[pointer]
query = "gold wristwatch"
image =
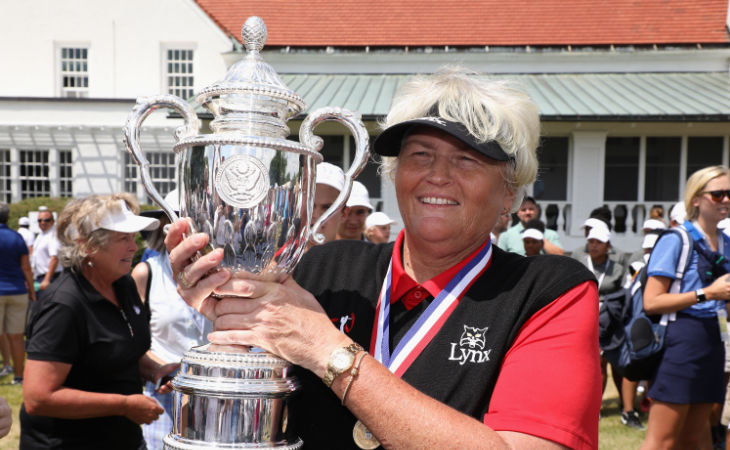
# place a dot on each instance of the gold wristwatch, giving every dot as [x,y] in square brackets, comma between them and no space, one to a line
[341,359]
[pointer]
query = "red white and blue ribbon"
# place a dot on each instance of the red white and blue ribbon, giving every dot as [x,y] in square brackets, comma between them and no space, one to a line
[430,322]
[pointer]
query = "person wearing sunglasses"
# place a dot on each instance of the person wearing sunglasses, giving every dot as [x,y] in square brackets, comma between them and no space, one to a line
[44,260]
[689,378]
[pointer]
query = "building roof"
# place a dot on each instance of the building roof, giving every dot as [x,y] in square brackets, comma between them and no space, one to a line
[387,23]
[581,97]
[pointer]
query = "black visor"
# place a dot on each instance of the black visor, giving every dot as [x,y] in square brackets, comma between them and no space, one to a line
[389,142]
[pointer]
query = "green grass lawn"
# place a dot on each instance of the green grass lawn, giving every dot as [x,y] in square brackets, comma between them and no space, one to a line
[611,435]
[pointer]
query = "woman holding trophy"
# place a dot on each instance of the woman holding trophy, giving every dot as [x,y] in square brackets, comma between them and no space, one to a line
[445,341]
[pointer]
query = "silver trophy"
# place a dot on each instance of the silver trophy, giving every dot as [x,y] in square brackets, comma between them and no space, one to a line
[252,191]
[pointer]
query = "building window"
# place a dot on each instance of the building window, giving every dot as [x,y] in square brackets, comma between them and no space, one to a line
[130,174]
[179,72]
[74,72]
[162,172]
[5,187]
[621,169]
[34,180]
[552,177]
[662,168]
[703,152]
[65,173]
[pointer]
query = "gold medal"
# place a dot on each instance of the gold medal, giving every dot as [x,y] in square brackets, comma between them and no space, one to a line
[363,437]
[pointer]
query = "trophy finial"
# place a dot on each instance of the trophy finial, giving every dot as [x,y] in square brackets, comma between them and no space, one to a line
[254,34]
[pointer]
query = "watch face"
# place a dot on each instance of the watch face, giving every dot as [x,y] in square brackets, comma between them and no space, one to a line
[342,360]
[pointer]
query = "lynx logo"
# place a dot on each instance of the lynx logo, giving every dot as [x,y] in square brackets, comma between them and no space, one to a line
[470,347]
[345,322]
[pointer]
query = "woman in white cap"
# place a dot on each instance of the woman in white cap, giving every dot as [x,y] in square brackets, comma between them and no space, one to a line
[610,273]
[468,346]
[358,209]
[88,334]
[330,181]
[377,227]
[689,378]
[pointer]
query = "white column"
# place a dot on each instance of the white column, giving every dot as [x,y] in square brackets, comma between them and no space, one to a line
[586,177]
[15,174]
[53,171]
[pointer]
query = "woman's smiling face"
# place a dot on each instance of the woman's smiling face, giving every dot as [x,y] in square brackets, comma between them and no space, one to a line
[448,192]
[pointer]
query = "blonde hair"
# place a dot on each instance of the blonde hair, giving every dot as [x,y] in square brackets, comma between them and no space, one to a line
[492,110]
[79,218]
[696,184]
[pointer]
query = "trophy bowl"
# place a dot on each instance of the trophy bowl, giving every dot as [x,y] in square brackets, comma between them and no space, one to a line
[251,191]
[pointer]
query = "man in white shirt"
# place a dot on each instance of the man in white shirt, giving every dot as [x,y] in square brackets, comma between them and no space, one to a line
[45,251]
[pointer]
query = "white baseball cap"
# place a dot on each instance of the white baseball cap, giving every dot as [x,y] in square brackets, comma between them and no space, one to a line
[125,221]
[24,221]
[533,233]
[377,219]
[595,223]
[679,212]
[649,240]
[601,234]
[359,196]
[654,224]
[331,175]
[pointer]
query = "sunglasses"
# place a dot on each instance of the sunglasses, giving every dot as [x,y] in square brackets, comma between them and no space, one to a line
[45,220]
[718,196]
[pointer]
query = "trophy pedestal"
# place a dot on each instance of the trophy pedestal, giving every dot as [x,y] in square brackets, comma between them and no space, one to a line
[230,397]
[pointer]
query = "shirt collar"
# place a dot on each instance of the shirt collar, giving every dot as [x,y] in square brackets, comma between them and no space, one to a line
[401,283]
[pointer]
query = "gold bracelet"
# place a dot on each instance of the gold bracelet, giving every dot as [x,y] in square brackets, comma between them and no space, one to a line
[353,374]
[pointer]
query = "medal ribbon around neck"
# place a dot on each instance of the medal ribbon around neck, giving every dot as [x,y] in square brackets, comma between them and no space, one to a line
[429,323]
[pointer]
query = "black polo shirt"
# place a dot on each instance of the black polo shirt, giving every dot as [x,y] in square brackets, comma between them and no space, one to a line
[72,323]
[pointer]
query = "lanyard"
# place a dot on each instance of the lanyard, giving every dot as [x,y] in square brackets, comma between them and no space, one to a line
[603,274]
[429,323]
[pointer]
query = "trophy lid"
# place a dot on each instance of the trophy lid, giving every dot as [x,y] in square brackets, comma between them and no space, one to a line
[251,90]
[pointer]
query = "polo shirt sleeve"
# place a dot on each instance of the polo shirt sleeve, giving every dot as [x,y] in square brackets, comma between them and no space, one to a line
[53,246]
[54,335]
[550,382]
[553,237]
[664,257]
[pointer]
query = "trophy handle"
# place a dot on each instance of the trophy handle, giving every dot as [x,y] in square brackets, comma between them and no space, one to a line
[144,107]
[354,123]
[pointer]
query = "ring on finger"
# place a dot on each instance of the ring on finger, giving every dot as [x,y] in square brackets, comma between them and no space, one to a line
[184,281]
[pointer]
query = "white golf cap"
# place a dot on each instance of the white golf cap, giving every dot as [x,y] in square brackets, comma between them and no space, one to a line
[24,221]
[331,175]
[377,219]
[359,196]
[595,223]
[533,233]
[649,240]
[654,224]
[679,212]
[601,234]
[125,221]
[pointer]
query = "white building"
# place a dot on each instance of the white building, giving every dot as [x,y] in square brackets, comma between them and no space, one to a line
[634,96]
[71,73]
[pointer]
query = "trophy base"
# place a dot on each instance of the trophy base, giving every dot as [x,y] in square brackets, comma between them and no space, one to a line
[232,397]
[172,442]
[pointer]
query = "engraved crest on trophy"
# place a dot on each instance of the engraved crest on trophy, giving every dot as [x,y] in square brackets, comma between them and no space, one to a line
[252,191]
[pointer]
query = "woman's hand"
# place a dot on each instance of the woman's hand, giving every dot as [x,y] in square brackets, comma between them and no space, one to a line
[719,289]
[195,280]
[281,318]
[141,409]
[163,379]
